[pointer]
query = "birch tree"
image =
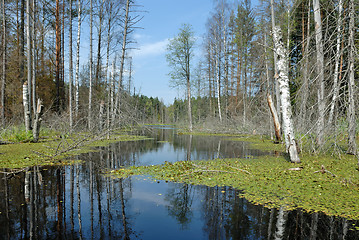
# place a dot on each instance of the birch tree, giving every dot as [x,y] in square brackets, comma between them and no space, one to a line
[77,74]
[179,58]
[283,81]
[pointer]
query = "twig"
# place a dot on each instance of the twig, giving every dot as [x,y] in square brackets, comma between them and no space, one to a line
[323,170]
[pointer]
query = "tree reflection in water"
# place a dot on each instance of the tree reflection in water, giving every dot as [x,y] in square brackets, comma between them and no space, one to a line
[80,202]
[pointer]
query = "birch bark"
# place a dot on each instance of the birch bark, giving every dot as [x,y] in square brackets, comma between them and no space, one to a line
[27,111]
[77,74]
[283,81]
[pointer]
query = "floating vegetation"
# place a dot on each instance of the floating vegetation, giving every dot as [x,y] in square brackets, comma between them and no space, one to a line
[272,181]
[54,151]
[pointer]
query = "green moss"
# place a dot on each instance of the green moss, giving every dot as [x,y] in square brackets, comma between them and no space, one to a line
[269,181]
[53,151]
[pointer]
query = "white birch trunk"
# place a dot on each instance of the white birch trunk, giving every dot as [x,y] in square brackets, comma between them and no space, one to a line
[336,68]
[27,111]
[283,80]
[275,59]
[320,71]
[77,74]
[218,87]
[352,146]
[111,92]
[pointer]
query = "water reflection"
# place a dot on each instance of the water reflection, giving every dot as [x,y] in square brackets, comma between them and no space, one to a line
[79,202]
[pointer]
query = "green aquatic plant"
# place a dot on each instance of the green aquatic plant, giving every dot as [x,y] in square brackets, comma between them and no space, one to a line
[272,181]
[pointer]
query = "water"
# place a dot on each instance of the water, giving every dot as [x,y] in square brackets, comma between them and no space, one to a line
[80,202]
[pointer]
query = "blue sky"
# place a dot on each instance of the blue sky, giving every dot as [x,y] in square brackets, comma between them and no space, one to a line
[161,22]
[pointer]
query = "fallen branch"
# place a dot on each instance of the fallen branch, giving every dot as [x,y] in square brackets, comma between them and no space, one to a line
[296,169]
[196,171]
[323,170]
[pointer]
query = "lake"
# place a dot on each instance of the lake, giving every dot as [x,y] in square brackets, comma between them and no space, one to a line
[81,202]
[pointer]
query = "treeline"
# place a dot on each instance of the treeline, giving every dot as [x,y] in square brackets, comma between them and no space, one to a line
[239,65]
[43,45]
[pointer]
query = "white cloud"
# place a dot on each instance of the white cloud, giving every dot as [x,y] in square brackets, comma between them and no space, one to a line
[151,49]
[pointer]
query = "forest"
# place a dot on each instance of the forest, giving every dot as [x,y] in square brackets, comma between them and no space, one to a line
[239,82]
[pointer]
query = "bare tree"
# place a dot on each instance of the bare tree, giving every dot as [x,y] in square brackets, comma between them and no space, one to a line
[29,60]
[90,70]
[320,71]
[336,68]
[70,65]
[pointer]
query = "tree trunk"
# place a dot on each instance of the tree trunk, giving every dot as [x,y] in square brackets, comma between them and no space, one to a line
[336,68]
[275,118]
[4,55]
[98,65]
[275,59]
[70,65]
[218,72]
[58,57]
[37,121]
[352,147]
[283,80]
[33,56]
[77,74]
[27,111]
[320,71]
[303,107]
[90,71]
[28,42]
[123,53]
[189,104]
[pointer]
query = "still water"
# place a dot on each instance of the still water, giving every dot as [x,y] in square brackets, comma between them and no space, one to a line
[80,202]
